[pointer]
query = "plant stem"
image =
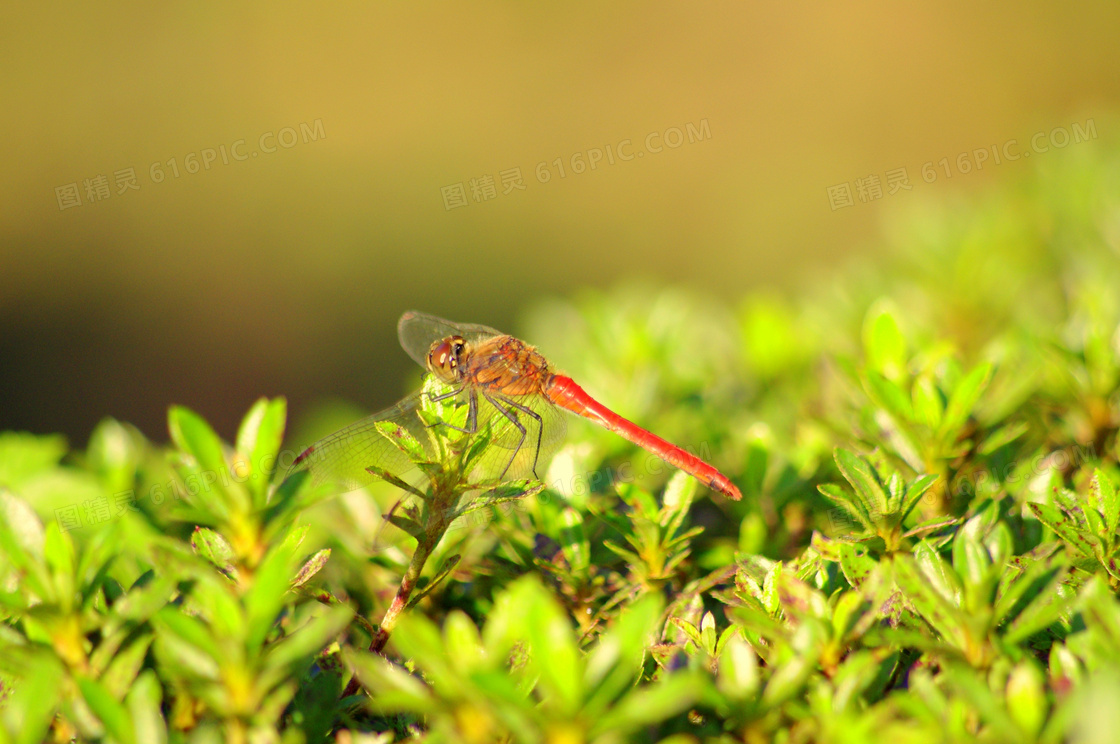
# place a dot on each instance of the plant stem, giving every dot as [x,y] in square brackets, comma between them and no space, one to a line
[400,601]
[433,533]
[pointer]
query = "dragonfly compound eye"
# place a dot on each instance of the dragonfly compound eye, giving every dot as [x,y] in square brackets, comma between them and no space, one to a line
[443,358]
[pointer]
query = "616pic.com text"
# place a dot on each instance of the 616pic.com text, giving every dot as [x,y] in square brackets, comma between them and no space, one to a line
[98,188]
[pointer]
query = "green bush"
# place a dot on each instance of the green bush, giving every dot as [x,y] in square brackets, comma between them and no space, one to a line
[926,550]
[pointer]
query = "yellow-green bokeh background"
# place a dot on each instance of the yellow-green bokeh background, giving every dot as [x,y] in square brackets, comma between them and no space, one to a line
[285,274]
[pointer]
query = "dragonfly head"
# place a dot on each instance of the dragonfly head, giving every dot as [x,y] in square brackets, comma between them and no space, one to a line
[443,358]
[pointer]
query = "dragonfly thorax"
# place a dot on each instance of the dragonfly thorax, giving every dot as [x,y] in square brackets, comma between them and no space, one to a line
[443,358]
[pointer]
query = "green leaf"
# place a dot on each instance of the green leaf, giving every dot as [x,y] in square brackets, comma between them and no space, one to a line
[574,543]
[284,502]
[970,559]
[615,662]
[393,480]
[393,689]
[895,493]
[848,610]
[708,633]
[418,639]
[463,642]
[856,564]
[945,617]
[206,479]
[731,631]
[504,493]
[124,667]
[853,506]
[1095,522]
[512,490]
[939,574]
[22,538]
[1064,666]
[915,492]
[974,690]
[883,343]
[267,594]
[145,597]
[218,601]
[1026,696]
[114,454]
[1003,435]
[790,678]
[307,641]
[313,565]
[214,548]
[410,526]
[676,501]
[861,676]
[404,441]
[526,614]
[193,435]
[1031,583]
[479,444]
[930,526]
[758,457]
[689,630]
[771,599]
[738,676]
[555,654]
[143,702]
[963,400]
[444,571]
[1000,543]
[58,550]
[889,396]
[111,713]
[31,704]
[865,480]
[1037,616]
[1103,496]
[650,704]
[1101,613]
[187,643]
[259,439]
[927,402]
[293,539]
[24,456]
[1064,527]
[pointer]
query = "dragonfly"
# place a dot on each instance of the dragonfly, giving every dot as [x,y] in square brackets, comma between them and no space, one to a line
[490,379]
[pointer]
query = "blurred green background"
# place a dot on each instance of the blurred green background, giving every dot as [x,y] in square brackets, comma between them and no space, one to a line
[284,272]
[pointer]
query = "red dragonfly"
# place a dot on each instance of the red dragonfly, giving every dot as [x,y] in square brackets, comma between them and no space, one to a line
[503,383]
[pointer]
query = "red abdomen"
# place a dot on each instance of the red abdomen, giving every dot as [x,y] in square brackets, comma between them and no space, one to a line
[565,393]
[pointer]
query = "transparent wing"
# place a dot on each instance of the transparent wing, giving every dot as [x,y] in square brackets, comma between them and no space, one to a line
[418,331]
[525,432]
[341,458]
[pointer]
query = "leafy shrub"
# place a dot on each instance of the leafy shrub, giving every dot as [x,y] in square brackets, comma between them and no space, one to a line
[926,549]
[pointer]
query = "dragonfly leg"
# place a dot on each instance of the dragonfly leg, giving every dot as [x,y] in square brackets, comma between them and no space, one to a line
[472,411]
[497,403]
[531,414]
[445,396]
